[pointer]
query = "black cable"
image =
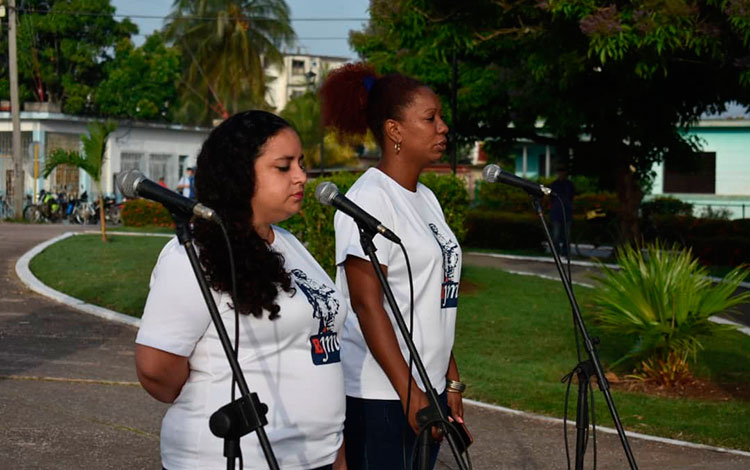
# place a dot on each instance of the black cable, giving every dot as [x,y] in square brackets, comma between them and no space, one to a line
[569,380]
[411,358]
[234,297]
[570,276]
[593,421]
[446,426]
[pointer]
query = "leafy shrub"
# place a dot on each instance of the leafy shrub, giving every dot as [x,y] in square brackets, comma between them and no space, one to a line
[662,298]
[665,206]
[713,241]
[314,223]
[454,199]
[503,230]
[142,213]
[600,202]
[502,198]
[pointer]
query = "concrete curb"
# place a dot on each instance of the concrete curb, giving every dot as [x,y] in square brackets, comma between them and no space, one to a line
[740,327]
[587,264]
[637,435]
[32,282]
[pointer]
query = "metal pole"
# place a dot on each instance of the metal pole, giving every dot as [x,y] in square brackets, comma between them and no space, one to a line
[17,180]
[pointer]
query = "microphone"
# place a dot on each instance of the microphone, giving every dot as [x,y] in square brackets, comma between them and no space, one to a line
[328,194]
[133,184]
[493,174]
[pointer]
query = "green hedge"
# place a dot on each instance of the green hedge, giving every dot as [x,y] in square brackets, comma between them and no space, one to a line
[504,198]
[314,223]
[503,230]
[142,213]
[714,241]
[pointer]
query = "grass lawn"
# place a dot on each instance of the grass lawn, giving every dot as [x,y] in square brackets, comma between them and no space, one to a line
[514,340]
[114,275]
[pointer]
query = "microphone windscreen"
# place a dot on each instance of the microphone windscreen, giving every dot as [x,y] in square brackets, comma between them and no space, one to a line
[491,172]
[127,182]
[325,192]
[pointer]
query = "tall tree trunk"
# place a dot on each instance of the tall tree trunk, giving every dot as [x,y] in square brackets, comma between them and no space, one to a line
[102,218]
[630,195]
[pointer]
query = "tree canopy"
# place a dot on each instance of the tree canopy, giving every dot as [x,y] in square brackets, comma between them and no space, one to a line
[617,82]
[141,82]
[226,45]
[63,46]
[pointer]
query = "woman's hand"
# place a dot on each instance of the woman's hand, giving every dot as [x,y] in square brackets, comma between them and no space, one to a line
[455,402]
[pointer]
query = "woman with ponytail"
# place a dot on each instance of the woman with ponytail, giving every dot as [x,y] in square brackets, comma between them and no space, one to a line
[383,394]
[288,314]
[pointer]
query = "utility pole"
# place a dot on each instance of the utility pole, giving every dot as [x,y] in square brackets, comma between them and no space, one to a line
[17,181]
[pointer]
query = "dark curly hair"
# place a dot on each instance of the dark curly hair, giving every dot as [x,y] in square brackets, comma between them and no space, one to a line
[354,98]
[225,182]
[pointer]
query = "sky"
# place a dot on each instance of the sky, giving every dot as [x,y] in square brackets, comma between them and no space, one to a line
[334,33]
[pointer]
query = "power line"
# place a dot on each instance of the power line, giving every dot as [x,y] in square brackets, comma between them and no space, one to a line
[160,17]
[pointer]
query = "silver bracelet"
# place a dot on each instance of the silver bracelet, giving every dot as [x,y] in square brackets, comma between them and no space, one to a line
[455,386]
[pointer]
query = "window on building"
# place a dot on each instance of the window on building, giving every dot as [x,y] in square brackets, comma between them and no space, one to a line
[690,174]
[298,67]
[131,161]
[158,167]
[296,94]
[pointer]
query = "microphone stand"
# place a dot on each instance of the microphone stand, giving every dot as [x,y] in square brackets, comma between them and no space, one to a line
[586,369]
[247,413]
[433,412]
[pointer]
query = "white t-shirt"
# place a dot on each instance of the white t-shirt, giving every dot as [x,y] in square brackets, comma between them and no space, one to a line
[292,363]
[435,257]
[185,182]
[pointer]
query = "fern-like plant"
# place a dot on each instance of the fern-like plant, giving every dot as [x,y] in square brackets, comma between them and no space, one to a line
[663,299]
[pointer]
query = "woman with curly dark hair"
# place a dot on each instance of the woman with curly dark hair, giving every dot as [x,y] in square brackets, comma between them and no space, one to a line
[383,398]
[250,171]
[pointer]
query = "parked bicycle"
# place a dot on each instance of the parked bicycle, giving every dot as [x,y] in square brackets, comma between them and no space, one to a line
[6,209]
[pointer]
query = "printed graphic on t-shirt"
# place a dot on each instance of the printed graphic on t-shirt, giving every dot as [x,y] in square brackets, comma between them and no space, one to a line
[449,293]
[324,346]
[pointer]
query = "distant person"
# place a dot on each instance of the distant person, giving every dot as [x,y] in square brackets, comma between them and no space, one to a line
[162,183]
[562,206]
[186,185]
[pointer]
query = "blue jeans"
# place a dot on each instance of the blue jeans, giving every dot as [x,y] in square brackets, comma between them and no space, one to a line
[378,437]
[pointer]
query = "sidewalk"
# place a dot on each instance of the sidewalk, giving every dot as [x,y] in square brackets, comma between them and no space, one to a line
[89,412]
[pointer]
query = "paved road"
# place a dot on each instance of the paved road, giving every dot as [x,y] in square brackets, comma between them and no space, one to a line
[89,413]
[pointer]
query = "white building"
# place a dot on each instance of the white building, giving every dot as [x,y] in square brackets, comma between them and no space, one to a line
[158,150]
[299,73]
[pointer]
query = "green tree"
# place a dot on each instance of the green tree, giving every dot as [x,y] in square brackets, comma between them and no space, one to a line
[141,82]
[225,45]
[618,82]
[303,112]
[63,46]
[91,161]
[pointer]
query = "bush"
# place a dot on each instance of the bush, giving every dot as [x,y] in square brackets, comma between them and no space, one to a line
[665,206]
[662,298]
[314,223]
[142,213]
[454,199]
[503,230]
[713,241]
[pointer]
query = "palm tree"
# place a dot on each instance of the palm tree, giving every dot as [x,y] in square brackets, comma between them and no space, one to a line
[91,161]
[225,44]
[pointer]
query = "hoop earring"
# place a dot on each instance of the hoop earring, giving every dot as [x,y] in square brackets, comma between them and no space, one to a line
[397,146]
